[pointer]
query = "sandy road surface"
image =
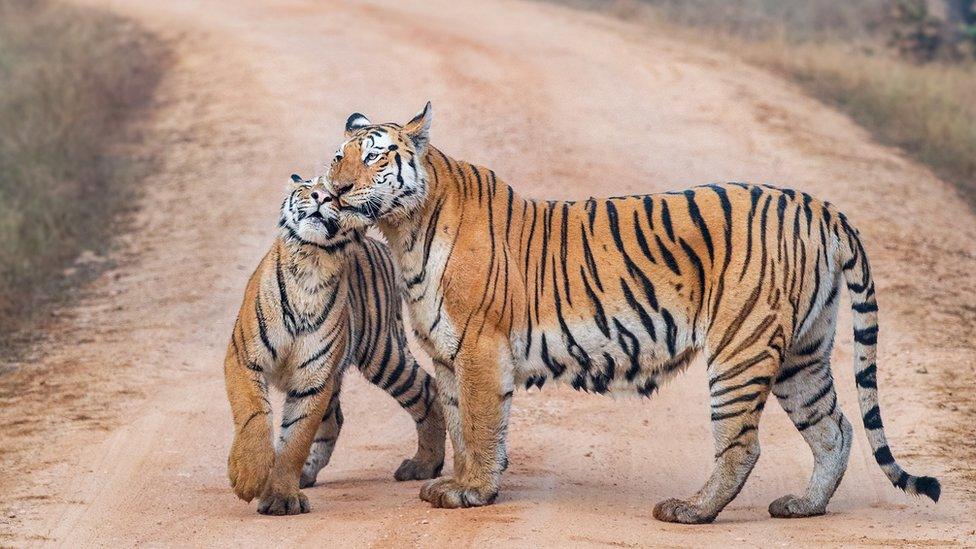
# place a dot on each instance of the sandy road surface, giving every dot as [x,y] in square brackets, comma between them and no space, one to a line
[119,431]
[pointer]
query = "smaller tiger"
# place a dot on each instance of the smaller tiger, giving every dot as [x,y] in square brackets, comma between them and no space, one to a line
[321,299]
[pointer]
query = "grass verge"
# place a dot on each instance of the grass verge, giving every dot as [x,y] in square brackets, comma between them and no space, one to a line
[71,80]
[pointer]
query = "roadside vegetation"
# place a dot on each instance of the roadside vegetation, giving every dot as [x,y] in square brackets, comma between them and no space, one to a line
[903,69]
[71,78]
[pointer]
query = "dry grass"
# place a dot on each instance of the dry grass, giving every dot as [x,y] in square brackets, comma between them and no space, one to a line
[835,50]
[69,77]
[927,110]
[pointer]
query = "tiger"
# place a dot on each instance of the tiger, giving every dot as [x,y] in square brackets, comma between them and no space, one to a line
[322,298]
[618,295]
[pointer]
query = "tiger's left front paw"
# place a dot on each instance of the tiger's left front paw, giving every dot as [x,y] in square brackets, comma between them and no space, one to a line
[414,469]
[448,493]
[676,510]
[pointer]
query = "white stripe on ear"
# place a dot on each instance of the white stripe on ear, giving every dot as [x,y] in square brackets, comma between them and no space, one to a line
[356,121]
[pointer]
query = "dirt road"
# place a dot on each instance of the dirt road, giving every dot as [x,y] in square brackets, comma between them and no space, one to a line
[117,432]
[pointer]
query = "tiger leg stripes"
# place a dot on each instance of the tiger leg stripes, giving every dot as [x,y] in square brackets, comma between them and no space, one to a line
[483,404]
[419,399]
[299,423]
[805,389]
[252,454]
[325,439]
[738,388]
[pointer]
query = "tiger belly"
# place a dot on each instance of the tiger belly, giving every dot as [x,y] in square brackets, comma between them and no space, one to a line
[625,359]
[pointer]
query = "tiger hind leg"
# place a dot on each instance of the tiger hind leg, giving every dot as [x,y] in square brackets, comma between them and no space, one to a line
[739,387]
[417,395]
[805,389]
[325,440]
[415,391]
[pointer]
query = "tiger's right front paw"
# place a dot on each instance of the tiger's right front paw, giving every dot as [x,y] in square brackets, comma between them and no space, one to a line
[447,493]
[283,504]
[249,465]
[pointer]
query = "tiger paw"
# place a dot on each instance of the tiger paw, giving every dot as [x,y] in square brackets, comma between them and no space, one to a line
[283,504]
[308,477]
[249,465]
[449,494]
[676,510]
[415,469]
[795,507]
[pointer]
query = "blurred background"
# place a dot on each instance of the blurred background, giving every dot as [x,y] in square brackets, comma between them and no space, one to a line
[72,81]
[904,69]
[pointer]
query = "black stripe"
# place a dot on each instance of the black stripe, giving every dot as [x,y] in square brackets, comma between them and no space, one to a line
[759,380]
[666,219]
[700,223]
[631,347]
[263,327]
[307,392]
[868,377]
[883,456]
[318,355]
[639,309]
[867,336]
[598,314]
[864,307]
[287,424]
[872,419]
[668,256]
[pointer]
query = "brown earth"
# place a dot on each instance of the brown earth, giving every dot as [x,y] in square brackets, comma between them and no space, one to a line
[116,431]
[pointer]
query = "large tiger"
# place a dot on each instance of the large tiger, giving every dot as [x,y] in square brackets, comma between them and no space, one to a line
[321,298]
[618,295]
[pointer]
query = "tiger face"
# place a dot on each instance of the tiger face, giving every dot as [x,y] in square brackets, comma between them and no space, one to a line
[378,172]
[309,213]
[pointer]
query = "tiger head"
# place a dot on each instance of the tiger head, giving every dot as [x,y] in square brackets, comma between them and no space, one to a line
[378,171]
[309,213]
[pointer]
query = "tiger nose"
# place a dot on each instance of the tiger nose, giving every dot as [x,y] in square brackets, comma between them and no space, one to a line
[320,197]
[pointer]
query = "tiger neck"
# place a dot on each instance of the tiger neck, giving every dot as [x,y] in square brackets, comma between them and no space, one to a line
[314,266]
[404,233]
[450,194]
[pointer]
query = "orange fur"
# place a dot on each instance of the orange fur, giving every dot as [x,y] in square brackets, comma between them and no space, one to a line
[320,299]
[618,295]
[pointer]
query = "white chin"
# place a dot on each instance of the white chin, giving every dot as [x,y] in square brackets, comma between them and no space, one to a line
[355,221]
[314,233]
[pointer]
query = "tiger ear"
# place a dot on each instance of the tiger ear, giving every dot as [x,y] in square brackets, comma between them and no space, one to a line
[355,122]
[294,182]
[418,129]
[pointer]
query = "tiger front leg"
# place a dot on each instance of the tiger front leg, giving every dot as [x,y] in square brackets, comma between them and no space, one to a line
[301,418]
[252,454]
[477,396]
